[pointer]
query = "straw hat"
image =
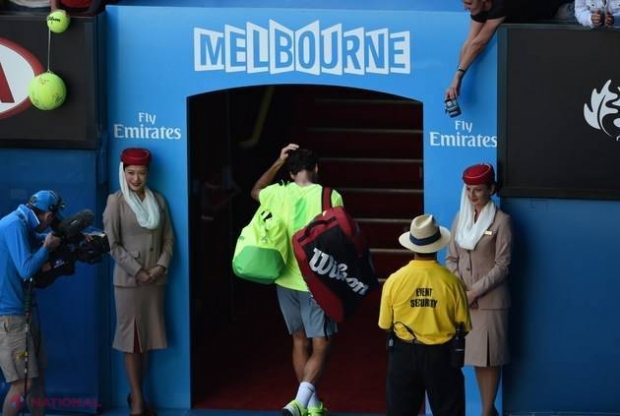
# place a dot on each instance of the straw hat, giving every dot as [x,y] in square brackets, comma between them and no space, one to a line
[425,236]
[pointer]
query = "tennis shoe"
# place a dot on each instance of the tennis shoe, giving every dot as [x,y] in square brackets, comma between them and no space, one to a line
[317,411]
[294,408]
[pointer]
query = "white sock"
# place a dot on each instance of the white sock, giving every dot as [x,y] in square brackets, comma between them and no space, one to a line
[314,400]
[304,393]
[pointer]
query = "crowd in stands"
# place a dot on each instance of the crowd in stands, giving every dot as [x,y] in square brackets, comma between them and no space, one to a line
[73,7]
[591,13]
[487,15]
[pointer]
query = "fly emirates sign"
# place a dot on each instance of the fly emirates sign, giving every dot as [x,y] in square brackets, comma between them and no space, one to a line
[312,49]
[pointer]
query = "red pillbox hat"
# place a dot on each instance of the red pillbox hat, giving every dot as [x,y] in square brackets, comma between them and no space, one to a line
[480,174]
[136,156]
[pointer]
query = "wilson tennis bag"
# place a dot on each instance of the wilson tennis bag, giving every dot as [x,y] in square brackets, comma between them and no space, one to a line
[335,260]
[262,248]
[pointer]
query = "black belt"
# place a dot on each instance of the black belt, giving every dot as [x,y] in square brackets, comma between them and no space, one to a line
[418,342]
[410,341]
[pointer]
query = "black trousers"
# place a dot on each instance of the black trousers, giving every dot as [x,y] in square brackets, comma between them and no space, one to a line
[416,368]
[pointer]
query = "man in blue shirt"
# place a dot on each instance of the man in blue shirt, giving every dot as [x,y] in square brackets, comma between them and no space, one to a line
[23,253]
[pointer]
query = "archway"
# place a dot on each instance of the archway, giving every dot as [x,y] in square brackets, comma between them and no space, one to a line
[370,145]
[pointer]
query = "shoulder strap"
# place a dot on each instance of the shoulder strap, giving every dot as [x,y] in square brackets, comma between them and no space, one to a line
[327,198]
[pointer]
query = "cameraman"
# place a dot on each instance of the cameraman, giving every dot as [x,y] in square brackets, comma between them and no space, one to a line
[24,252]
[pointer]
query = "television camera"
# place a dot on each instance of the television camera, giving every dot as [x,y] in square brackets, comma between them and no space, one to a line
[76,245]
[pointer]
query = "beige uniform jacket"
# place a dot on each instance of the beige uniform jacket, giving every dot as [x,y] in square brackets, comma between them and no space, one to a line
[134,247]
[484,270]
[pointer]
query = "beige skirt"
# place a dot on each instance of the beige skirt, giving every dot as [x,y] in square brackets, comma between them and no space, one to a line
[487,343]
[140,322]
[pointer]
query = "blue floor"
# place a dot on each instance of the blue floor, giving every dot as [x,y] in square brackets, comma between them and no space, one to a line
[201,412]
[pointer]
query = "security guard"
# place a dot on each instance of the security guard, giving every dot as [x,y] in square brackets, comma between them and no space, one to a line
[422,306]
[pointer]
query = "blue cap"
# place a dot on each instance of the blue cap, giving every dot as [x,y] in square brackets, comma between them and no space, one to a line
[46,201]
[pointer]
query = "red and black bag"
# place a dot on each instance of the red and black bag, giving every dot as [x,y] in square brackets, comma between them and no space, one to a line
[335,260]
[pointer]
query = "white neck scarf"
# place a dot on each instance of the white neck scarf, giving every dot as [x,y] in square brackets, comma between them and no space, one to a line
[468,232]
[147,211]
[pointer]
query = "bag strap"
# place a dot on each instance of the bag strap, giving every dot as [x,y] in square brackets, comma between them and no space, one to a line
[392,334]
[327,198]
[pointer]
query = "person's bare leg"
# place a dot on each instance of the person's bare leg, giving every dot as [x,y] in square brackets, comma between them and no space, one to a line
[133,369]
[301,353]
[37,392]
[315,365]
[17,389]
[488,384]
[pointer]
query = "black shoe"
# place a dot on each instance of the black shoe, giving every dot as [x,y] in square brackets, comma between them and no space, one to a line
[146,412]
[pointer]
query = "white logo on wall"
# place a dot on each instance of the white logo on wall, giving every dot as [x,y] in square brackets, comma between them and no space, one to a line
[17,68]
[146,128]
[603,113]
[312,49]
[463,136]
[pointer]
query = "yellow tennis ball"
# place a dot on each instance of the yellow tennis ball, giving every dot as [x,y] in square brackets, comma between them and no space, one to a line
[58,21]
[47,91]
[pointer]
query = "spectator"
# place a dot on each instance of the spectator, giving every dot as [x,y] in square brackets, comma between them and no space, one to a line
[23,253]
[297,203]
[596,13]
[138,226]
[75,7]
[422,305]
[37,6]
[479,254]
[486,16]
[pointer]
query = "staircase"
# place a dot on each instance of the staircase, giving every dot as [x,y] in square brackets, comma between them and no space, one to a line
[370,149]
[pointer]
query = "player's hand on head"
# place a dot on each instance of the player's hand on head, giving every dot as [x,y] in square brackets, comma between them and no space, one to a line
[287,149]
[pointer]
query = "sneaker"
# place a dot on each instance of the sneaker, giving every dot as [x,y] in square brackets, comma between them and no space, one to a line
[294,408]
[317,411]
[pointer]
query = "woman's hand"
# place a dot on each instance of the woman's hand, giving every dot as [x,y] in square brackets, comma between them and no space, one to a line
[143,278]
[472,300]
[156,272]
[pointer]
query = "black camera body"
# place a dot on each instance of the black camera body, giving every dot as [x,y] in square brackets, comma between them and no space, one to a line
[452,108]
[76,245]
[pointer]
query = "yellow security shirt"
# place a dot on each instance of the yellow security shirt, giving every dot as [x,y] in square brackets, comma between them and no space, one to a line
[427,298]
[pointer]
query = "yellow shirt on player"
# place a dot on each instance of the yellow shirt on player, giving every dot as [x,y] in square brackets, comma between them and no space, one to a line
[296,206]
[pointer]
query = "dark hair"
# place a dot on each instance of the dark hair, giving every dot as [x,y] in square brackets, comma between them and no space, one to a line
[301,159]
[126,165]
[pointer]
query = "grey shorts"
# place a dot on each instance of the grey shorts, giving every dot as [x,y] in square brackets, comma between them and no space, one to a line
[13,347]
[301,312]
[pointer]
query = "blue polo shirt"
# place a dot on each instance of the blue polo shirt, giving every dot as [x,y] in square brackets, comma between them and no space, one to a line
[21,256]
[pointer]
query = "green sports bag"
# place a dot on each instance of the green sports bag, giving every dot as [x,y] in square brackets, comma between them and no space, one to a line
[262,248]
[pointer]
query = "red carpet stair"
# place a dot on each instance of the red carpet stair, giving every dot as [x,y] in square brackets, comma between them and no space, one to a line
[370,146]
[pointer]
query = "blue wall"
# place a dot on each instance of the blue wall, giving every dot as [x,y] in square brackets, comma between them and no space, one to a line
[74,311]
[565,283]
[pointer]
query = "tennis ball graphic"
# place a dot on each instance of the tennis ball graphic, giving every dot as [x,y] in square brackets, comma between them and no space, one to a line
[47,91]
